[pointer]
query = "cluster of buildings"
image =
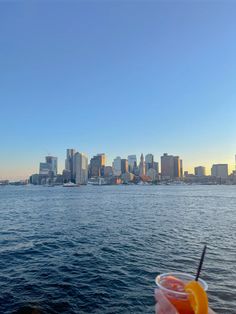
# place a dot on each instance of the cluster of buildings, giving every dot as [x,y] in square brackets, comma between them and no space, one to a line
[219,175]
[78,170]
[81,171]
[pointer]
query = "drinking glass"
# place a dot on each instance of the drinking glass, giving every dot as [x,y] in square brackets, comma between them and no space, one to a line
[171,286]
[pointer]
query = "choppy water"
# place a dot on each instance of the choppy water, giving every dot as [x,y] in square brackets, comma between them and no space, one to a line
[98,249]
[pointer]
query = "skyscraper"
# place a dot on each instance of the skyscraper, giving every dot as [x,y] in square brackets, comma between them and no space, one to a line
[108,171]
[97,165]
[52,161]
[49,167]
[167,166]
[170,166]
[69,163]
[149,162]
[124,166]
[116,165]
[181,168]
[176,167]
[142,166]
[81,168]
[156,166]
[132,163]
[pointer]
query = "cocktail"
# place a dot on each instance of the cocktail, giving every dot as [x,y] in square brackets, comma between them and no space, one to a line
[182,293]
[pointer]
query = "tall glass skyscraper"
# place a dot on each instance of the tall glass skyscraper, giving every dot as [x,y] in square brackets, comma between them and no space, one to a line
[132,163]
[69,163]
[52,161]
[81,168]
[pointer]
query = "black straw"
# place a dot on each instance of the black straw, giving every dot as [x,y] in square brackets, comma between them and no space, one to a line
[201,262]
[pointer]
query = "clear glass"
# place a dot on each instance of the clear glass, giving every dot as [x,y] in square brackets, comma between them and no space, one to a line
[180,300]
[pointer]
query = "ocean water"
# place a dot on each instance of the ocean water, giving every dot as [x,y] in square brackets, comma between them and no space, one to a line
[98,249]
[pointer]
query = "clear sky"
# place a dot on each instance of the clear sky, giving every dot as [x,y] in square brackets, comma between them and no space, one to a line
[120,77]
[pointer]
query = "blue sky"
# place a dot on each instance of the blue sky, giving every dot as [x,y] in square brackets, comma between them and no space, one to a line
[119,77]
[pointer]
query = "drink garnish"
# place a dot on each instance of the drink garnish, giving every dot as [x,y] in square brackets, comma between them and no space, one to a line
[197,297]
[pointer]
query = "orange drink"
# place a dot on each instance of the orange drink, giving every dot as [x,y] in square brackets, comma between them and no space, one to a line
[173,286]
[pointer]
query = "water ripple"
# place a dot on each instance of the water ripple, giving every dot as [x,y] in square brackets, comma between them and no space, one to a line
[98,249]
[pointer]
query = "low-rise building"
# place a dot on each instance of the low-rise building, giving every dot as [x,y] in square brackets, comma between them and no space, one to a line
[127,177]
[200,171]
[220,171]
[35,179]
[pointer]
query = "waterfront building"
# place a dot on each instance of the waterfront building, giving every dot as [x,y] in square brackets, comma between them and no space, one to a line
[132,163]
[44,168]
[220,171]
[116,181]
[97,165]
[136,170]
[35,179]
[200,171]
[176,167]
[81,168]
[170,166]
[108,172]
[58,180]
[66,176]
[149,162]
[232,177]
[116,165]
[124,166]
[144,179]
[152,174]
[52,161]
[69,163]
[142,166]
[127,177]
[5,182]
[181,168]
[167,166]
[156,166]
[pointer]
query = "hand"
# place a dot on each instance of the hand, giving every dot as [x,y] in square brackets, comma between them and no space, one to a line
[163,305]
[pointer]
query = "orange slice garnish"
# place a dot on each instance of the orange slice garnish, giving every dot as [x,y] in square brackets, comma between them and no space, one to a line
[197,297]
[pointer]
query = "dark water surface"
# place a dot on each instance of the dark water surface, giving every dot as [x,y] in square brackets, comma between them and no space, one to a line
[99,249]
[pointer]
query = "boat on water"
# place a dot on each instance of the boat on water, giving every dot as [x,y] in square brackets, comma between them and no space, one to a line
[70,185]
[97,181]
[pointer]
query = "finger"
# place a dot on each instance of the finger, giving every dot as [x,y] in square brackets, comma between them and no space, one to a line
[158,309]
[164,304]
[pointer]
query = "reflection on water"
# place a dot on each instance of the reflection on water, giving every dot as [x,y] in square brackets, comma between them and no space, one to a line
[98,249]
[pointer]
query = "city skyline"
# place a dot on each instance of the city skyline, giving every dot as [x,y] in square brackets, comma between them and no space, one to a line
[62,164]
[79,171]
[118,78]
